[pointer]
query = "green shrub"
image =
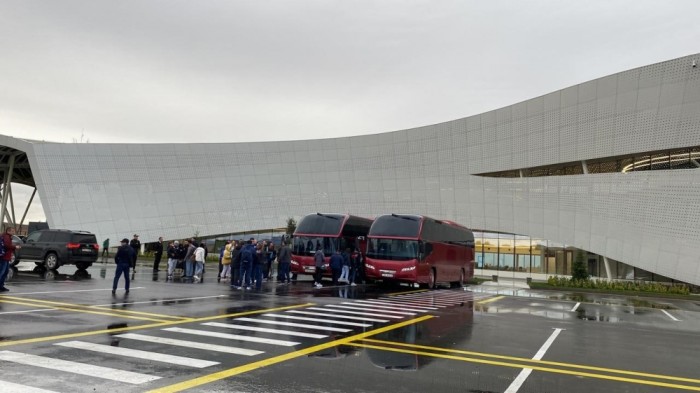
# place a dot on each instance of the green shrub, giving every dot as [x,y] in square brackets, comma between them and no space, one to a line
[633,286]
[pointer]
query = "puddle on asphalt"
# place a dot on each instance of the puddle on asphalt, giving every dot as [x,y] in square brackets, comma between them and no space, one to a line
[581,314]
[629,302]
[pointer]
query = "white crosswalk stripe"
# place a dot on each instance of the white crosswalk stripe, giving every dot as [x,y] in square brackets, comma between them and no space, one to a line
[77,368]
[238,337]
[139,354]
[190,344]
[384,306]
[6,386]
[264,330]
[424,308]
[370,309]
[370,314]
[331,321]
[321,314]
[292,324]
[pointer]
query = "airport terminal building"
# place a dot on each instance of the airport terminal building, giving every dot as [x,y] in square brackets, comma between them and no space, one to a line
[610,166]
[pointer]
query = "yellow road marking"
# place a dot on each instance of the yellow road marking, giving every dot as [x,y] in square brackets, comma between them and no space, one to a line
[82,310]
[407,292]
[80,307]
[532,367]
[278,359]
[545,362]
[138,327]
[493,299]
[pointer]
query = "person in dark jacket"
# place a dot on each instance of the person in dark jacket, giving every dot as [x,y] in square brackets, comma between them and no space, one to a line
[246,259]
[124,258]
[157,254]
[284,261]
[336,264]
[5,259]
[320,264]
[135,244]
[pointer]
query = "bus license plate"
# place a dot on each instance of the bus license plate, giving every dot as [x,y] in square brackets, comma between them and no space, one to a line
[387,274]
[309,269]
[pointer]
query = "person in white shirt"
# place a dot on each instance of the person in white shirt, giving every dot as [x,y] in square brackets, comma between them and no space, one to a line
[199,254]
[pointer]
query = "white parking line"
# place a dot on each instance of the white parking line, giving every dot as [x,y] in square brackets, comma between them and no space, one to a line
[233,337]
[671,316]
[77,290]
[27,311]
[77,368]
[576,307]
[190,344]
[264,330]
[139,354]
[520,379]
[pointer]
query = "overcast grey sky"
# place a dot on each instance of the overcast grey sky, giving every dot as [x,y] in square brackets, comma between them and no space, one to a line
[229,71]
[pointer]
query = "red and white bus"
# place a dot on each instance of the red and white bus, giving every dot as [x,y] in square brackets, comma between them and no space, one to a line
[329,232]
[419,249]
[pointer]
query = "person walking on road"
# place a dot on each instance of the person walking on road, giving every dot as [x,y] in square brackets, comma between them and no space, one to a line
[124,258]
[319,263]
[9,249]
[157,254]
[136,246]
[199,258]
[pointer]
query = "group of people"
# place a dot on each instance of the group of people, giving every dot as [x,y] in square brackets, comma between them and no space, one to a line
[244,264]
[346,267]
[187,255]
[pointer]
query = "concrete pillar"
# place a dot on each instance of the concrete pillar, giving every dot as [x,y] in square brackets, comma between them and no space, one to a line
[608,272]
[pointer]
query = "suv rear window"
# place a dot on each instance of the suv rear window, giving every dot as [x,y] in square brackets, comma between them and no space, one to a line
[84,238]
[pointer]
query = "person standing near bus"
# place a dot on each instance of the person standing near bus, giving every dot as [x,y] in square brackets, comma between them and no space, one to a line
[284,261]
[336,264]
[319,262]
[346,267]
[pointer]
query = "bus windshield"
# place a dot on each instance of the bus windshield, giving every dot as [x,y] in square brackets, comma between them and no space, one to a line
[392,249]
[307,245]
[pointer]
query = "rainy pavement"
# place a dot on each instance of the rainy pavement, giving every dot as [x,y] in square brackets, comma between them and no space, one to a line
[68,328]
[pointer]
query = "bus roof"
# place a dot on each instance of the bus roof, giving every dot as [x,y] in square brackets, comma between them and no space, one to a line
[332,224]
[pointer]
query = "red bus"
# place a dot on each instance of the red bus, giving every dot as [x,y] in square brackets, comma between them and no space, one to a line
[329,232]
[419,249]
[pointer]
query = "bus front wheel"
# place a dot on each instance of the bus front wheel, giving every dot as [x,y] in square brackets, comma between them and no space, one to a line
[461,282]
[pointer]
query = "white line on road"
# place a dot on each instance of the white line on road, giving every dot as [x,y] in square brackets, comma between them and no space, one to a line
[576,306]
[190,344]
[292,324]
[370,309]
[25,311]
[382,307]
[77,368]
[139,354]
[400,303]
[671,316]
[370,314]
[321,314]
[233,337]
[331,321]
[264,330]
[520,379]
[17,388]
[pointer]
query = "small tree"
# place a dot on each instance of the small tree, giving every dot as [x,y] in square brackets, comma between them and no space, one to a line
[291,226]
[579,270]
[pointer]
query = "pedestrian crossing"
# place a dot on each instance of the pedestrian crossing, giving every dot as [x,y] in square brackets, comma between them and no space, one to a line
[210,344]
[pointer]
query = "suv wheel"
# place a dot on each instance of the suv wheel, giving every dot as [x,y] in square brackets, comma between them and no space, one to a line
[51,261]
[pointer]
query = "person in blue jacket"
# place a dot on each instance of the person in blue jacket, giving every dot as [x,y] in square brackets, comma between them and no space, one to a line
[124,258]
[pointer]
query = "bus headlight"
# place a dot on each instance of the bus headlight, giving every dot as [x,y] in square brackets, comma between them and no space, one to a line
[295,263]
[408,269]
[370,267]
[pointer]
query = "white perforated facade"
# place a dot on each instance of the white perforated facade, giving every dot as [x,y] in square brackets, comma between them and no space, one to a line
[648,219]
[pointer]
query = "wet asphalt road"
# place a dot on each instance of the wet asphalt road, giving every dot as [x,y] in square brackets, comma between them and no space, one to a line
[65,332]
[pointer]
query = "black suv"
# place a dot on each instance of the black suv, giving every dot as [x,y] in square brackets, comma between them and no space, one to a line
[55,247]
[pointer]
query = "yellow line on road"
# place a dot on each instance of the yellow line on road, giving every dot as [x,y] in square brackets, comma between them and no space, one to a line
[278,359]
[532,367]
[140,327]
[82,311]
[490,300]
[81,307]
[533,361]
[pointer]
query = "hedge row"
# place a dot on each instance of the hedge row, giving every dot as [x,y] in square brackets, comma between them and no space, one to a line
[639,286]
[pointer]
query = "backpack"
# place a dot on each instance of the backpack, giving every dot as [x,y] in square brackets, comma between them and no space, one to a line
[246,255]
